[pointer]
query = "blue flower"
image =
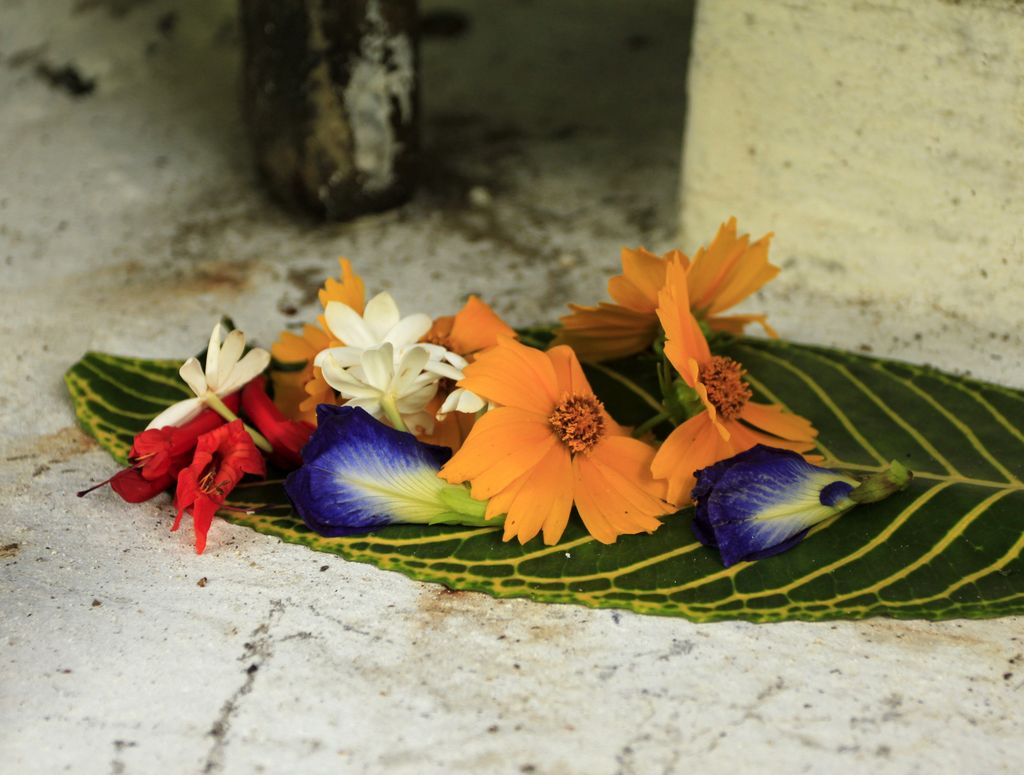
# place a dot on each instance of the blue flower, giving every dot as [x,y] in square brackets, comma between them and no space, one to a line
[763,501]
[359,474]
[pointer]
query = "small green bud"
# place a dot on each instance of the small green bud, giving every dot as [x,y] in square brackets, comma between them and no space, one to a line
[880,486]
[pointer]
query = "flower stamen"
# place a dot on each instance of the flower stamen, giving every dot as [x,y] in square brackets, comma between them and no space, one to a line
[577,422]
[723,378]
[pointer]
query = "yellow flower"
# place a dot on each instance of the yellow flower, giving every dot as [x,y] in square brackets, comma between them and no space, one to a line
[550,444]
[719,276]
[729,422]
[724,274]
[610,331]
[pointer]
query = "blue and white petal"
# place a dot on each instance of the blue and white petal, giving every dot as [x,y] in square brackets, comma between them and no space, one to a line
[359,474]
[762,502]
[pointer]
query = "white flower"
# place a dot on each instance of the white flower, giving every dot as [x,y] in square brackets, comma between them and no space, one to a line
[380,322]
[448,364]
[385,382]
[226,372]
[461,400]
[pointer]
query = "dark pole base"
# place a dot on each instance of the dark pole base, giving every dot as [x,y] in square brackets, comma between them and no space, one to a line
[331,101]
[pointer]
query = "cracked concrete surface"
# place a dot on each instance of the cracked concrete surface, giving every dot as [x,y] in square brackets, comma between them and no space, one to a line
[129,220]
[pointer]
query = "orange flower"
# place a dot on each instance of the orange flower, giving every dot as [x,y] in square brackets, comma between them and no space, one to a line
[723,428]
[724,274]
[298,391]
[290,387]
[719,277]
[610,331]
[474,328]
[550,444]
[349,290]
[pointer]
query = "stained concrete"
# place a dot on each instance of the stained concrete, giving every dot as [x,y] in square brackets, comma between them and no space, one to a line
[129,220]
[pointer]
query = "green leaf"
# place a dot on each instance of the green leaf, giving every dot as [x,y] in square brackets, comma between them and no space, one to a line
[949,546]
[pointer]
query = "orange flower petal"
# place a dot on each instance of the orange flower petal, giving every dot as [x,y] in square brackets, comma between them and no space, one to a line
[773,419]
[710,265]
[450,432]
[643,274]
[544,500]
[349,289]
[743,438]
[693,445]
[441,330]
[289,392]
[683,338]
[505,443]
[291,388]
[630,460]
[317,392]
[749,272]
[607,331]
[500,503]
[590,508]
[736,324]
[568,372]
[512,374]
[477,327]
[729,270]
[609,504]
[291,348]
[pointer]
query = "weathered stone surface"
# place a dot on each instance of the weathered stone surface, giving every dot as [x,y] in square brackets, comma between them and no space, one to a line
[883,142]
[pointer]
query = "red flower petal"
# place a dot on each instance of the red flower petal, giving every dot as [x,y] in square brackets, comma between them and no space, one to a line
[287,437]
[222,457]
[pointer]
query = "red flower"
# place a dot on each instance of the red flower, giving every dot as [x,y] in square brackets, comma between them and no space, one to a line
[223,456]
[287,437]
[157,455]
[133,486]
[161,451]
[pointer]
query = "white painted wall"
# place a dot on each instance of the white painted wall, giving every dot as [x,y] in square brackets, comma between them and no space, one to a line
[883,142]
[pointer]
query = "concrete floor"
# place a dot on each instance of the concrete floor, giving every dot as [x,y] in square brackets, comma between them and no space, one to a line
[129,220]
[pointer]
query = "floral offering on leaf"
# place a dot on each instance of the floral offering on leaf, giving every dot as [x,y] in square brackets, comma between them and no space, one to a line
[383,418]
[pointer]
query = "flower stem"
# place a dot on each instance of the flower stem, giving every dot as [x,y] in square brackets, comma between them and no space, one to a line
[387,403]
[457,498]
[647,425]
[213,401]
[463,509]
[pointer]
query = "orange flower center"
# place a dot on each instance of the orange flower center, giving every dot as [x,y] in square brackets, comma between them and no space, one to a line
[723,378]
[577,421]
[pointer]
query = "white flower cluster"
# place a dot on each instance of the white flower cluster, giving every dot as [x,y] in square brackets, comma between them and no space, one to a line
[384,369]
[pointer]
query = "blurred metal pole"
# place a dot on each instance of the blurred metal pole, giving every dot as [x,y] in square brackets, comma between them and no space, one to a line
[331,101]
